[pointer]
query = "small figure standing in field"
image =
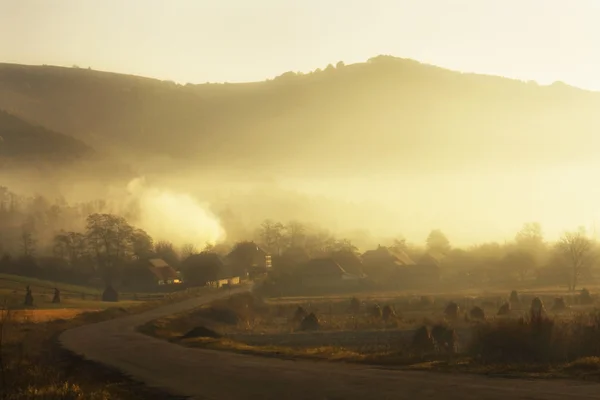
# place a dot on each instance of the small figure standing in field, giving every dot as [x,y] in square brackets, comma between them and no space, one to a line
[28,297]
[56,298]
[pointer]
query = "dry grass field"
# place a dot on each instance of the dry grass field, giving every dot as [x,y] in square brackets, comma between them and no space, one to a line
[562,344]
[34,366]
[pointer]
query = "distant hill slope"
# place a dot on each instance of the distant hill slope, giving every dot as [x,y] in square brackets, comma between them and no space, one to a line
[21,141]
[387,114]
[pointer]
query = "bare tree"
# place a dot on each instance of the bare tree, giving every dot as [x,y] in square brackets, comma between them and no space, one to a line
[70,246]
[579,252]
[187,250]
[296,234]
[530,236]
[28,243]
[271,234]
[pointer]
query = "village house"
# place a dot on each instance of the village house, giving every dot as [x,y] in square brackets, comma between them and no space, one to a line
[386,257]
[208,269]
[325,273]
[247,258]
[350,262]
[163,273]
[394,269]
[224,282]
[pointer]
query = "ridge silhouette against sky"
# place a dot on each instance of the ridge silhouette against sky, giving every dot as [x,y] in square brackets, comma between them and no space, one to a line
[237,40]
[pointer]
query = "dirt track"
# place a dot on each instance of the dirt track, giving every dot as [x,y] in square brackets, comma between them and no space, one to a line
[204,374]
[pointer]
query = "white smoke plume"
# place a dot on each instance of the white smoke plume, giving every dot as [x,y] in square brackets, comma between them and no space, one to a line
[172,216]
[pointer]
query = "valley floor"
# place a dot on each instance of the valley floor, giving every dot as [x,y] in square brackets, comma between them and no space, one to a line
[209,374]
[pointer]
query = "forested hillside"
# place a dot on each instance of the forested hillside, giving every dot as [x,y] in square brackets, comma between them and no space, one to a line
[387,114]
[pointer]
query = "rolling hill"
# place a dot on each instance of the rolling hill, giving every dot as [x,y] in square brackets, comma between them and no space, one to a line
[387,115]
[21,141]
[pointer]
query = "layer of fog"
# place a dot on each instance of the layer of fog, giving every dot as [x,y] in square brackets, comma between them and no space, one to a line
[469,206]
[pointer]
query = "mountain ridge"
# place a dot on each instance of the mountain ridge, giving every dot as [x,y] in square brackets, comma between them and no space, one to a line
[385,114]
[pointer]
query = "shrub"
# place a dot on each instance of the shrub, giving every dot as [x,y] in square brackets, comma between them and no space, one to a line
[513,341]
[538,339]
[445,338]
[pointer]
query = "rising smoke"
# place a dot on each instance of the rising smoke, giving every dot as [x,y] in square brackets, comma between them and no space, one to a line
[176,217]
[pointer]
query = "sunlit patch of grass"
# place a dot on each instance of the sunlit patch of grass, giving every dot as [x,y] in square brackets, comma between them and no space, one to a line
[35,367]
[60,391]
[320,352]
[585,364]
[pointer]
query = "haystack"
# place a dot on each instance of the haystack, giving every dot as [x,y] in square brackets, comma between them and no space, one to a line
[310,323]
[585,297]
[477,313]
[110,294]
[504,309]
[452,310]
[388,312]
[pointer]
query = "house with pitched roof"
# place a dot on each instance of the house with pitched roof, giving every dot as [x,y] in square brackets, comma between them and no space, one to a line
[325,273]
[163,273]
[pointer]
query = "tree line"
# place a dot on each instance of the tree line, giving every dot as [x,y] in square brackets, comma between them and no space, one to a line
[85,240]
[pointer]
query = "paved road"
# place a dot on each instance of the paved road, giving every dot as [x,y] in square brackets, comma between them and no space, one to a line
[205,374]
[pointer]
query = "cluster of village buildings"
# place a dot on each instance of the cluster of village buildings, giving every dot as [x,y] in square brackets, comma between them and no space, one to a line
[342,269]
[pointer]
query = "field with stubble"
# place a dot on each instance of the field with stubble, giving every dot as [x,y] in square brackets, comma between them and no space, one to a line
[449,331]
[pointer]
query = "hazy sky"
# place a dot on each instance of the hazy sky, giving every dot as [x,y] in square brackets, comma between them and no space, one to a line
[241,40]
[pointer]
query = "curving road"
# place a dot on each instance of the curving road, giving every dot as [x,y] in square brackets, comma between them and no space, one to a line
[206,374]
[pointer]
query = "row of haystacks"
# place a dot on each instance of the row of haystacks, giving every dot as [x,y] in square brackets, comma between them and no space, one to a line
[534,338]
[515,301]
[453,311]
